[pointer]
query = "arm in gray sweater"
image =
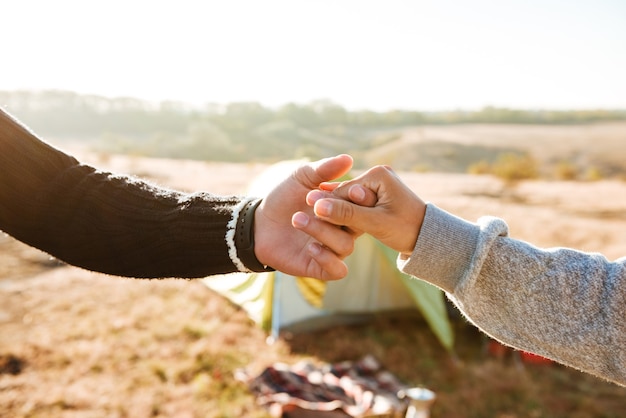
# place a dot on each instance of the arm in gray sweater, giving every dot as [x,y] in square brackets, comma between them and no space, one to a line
[566,305]
[560,303]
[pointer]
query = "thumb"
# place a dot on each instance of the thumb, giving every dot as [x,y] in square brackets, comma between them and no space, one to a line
[325,170]
[344,213]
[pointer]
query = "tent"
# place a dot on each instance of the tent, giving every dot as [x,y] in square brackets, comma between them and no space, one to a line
[280,302]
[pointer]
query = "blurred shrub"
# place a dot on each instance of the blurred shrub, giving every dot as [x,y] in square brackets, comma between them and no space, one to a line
[510,167]
[566,170]
[480,167]
[593,174]
[514,167]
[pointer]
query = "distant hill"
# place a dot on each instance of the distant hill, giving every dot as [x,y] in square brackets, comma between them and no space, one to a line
[447,141]
[454,148]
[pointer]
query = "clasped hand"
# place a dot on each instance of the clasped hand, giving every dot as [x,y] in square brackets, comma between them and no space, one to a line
[308,224]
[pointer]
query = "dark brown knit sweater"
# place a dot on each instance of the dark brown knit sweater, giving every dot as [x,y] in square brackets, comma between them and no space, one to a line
[105,222]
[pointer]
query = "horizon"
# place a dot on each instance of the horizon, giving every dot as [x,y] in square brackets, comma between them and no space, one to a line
[205,105]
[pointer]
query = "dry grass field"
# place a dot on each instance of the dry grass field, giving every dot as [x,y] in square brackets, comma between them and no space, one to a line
[79,344]
[453,148]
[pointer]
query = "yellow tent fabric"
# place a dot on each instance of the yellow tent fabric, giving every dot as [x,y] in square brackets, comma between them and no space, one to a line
[277,301]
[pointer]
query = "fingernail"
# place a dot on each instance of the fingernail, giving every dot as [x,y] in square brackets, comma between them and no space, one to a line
[300,220]
[357,192]
[323,207]
[314,196]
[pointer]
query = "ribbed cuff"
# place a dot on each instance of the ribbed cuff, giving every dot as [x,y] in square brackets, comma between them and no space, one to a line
[240,237]
[230,235]
[444,249]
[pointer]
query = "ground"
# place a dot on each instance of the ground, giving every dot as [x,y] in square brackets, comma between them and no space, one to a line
[80,344]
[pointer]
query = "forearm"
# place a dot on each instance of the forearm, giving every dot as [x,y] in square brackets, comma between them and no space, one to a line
[563,304]
[105,222]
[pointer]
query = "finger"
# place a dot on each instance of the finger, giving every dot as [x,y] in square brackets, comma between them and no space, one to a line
[324,170]
[339,241]
[334,167]
[362,195]
[315,195]
[327,265]
[329,186]
[343,213]
[349,190]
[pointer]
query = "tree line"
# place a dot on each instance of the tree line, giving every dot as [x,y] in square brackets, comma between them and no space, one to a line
[245,131]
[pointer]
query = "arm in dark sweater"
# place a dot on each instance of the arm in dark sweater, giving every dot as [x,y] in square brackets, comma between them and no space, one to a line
[104,222]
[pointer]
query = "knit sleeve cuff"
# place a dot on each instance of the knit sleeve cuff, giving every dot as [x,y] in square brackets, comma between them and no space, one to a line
[231,228]
[240,237]
[444,249]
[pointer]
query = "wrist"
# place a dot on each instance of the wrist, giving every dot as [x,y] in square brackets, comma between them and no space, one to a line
[244,237]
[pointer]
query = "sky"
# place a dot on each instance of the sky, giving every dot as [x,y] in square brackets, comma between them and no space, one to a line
[361,54]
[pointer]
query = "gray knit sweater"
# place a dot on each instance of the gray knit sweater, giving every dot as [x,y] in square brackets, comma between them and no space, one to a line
[565,305]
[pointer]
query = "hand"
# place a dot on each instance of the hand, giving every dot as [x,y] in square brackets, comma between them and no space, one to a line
[395,217]
[289,238]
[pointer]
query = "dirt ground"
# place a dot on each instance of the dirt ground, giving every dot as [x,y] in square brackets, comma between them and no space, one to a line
[80,344]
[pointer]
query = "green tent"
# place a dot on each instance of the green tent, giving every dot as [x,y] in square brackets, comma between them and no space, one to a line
[278,302]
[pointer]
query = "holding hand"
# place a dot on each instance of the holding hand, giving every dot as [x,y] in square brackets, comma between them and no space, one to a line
[377,203]
[313,248]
